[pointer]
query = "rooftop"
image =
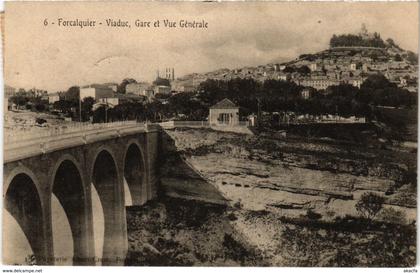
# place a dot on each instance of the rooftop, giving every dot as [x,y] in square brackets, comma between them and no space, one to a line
[224,104]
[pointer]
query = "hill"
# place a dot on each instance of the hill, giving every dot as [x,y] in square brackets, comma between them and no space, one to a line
[350,59]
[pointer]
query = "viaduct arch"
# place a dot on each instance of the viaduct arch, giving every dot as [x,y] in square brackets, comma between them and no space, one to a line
[23,203]
[70,192]
[134,173]
[71,174]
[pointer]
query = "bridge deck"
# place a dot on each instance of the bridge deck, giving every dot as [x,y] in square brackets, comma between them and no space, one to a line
[28,145]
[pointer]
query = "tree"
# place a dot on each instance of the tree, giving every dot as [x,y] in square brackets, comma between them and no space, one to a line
[304,70]
[154,111]
[72,93]
[377,81]
[19,99]
[351,40]
[121,87]
[99,115]
[63,106]
[412,57]
[289,69]
[184,103]
[370,204]
[391,43]
[398,58]
[87,105]
[161,96]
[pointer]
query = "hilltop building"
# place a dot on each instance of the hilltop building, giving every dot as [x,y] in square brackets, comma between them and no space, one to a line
[364,32]
[170,74]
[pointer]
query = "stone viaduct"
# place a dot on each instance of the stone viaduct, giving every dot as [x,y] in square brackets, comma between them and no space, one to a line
[74,166]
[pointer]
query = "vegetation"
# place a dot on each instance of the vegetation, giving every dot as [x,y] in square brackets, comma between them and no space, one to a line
[121,87]
[314,238]
[313,246]
[72,94]
[270,96]
[276,95]
[392,215]
[351,40]
[412,57]
[369,205]
[177,232]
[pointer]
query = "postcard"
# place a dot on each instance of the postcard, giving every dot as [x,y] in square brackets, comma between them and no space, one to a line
[280,134]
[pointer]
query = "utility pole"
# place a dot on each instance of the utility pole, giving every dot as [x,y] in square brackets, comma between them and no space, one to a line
[286,106]
[258,112]
[80,107]
[106,110]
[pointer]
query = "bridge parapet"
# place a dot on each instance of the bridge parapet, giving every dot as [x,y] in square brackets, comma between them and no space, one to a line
[11,137]
[25,145]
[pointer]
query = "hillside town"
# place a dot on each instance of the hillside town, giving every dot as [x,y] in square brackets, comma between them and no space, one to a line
[331,67]
[350,61]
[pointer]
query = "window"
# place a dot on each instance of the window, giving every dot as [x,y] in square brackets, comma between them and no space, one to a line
[224,118]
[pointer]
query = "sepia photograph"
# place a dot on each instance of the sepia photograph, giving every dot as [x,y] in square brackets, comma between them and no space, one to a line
[210,134]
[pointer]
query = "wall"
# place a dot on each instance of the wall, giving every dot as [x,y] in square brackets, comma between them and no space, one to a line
[87,92]
[103,92]
[137,88]
[113,101]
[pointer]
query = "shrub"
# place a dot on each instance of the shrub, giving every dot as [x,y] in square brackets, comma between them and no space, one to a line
[232,217]
[370,204]
[238,204]
[236,151]
[330,214]
[313,215]
[234,249]
[392,215]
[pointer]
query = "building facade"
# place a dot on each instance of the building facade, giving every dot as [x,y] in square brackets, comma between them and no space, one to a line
[96,92]
[139,89]
[224,113]
[162,89]
[53,98]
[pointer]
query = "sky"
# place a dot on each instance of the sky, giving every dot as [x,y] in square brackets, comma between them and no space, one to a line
[239,34]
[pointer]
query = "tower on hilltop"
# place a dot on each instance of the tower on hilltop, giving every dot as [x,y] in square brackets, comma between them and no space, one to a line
[363,30]
[364,33]
[170,74]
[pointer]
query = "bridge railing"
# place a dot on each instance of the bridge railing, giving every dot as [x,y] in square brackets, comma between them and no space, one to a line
[182,123]
[198,124]
[15,136]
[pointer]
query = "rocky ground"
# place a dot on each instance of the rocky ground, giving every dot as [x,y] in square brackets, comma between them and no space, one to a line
[276,201]
[25,120]
[18,124]
[177,232]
